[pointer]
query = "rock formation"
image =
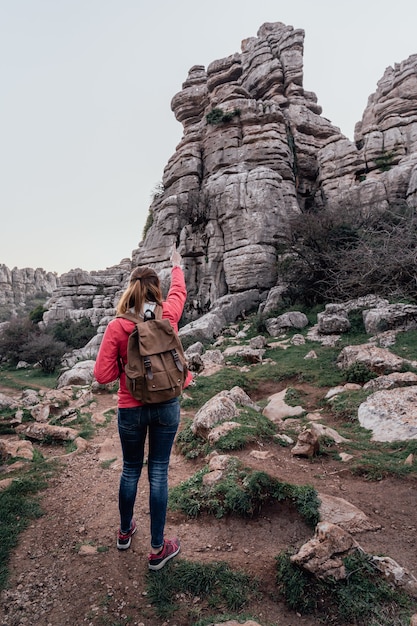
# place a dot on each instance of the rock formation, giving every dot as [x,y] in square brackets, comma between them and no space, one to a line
[20,286]
[256,150]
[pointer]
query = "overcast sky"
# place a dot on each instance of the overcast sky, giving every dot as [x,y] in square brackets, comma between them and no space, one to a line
[86,126]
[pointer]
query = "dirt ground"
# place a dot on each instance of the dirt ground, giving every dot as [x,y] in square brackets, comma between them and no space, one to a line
[59,578]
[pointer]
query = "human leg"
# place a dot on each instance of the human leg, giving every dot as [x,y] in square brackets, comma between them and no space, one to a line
[163,426]
[132,431]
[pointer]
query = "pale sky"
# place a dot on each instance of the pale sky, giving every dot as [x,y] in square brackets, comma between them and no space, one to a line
[86,126]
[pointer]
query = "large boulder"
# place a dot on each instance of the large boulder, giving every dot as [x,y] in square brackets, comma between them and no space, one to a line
[81,374]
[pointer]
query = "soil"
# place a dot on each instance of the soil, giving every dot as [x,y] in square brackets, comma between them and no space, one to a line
[59,578]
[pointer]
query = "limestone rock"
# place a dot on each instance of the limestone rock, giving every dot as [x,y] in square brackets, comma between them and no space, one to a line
[323,554]
[378,360]
[394,316]
[18,286]
[307,444]
[277,409]
[395,379]
[10,448]
[390,414]
[217,409]
[80,374]
[278,325]
[47,431]
[338,511]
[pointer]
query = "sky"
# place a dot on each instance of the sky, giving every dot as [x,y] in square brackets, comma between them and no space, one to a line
[86,126]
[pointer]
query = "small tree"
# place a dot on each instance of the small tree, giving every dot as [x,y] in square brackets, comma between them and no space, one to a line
[42,348]
[75,334]
[13,337]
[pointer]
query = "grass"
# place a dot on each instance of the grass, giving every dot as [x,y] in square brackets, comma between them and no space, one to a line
[253,427]
[241,491]
[363,598]
[26,379]
[18,506]
[216,585]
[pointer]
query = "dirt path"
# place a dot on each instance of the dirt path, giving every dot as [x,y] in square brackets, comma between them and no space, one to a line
[66,569]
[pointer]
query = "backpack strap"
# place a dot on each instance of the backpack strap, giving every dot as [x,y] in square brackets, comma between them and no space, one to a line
[129,316]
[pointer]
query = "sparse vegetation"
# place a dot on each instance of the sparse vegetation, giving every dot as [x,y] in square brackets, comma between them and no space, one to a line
[363,598]
[241,491]
[215,584]
[218,116]
[18,505]
[331,256]
[24,340]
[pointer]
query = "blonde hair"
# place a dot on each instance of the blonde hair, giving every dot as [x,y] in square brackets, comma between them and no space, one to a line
[144,286]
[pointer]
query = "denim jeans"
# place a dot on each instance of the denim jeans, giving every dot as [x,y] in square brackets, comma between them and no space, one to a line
[160,422]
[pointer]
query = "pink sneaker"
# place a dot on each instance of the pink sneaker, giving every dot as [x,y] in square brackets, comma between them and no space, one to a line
[170,548]
[124,541]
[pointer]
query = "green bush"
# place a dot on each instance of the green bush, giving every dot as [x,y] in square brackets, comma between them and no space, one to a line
[218,116]
[43,349]
[75,334]
[359,373]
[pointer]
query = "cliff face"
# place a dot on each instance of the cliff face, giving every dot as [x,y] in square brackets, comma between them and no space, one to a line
[231,186]
[20,286]
[256,150]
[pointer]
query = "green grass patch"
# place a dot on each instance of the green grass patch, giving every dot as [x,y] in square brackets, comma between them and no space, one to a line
[208,386]
[406,345]
[241,491]
[344,406]
[363,598]
[382,459]
[19,505]
[253,427]
[189,445]
[6,416]
[291,364]
[26,379]
[216,584]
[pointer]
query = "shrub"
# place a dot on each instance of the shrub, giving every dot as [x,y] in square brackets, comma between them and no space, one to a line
[43,349]
[13,338]
[241,491]
[36,314]
[340,255]
[359,373]
[75,334]
[218,116]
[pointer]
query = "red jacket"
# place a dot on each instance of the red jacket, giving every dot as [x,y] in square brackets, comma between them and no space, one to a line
[114,343]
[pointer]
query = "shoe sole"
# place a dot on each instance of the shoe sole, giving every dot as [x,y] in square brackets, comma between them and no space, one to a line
[161,565]
[125,546]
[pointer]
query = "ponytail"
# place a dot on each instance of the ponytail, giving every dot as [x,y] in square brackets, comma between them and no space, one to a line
[143,286]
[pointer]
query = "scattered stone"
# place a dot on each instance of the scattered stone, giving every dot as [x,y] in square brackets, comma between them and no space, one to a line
[390,414]
[307,444]
[338,511]
[277,409]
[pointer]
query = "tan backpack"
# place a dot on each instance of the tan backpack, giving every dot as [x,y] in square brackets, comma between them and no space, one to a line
[156,367]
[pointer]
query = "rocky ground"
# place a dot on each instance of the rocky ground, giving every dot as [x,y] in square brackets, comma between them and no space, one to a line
[66,569]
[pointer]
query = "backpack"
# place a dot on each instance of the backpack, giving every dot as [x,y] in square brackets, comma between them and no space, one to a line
[156,367]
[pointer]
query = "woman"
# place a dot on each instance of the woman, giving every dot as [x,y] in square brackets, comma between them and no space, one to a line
[136,421]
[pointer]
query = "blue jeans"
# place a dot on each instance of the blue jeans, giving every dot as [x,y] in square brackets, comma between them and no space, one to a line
[161,422]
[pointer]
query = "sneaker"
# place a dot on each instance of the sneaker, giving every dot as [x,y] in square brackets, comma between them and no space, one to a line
[170,548]
[124,541]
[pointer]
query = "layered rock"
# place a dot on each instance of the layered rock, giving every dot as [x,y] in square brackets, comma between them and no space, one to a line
[231,187]
[18,287]
[255,151]
[87,294]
